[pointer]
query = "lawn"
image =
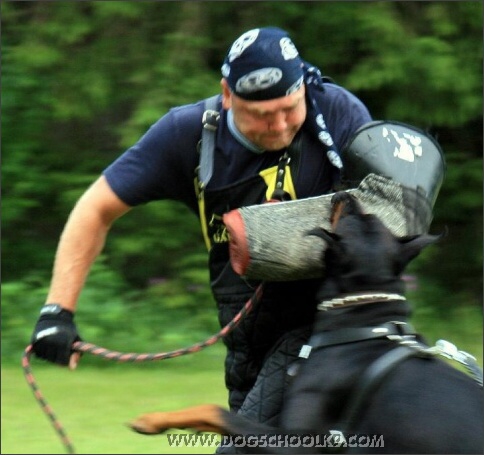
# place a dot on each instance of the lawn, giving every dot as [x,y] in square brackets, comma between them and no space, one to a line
[94,403]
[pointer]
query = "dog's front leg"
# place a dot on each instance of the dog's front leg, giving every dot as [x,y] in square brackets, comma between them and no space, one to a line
[205,417]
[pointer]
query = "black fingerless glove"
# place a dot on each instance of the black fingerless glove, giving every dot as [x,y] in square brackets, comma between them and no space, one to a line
[54,334]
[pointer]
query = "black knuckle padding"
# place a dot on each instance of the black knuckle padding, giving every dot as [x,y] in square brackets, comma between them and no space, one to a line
[53,337]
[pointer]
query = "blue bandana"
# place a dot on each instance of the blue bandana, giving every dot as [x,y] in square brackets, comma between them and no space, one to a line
[263,64]
[314,82]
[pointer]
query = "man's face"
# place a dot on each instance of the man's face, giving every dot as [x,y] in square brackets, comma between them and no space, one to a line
[272,124]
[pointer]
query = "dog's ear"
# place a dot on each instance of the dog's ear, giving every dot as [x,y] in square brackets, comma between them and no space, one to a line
[412,245]
[324,234]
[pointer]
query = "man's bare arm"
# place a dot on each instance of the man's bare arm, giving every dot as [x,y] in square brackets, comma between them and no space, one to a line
[82,240]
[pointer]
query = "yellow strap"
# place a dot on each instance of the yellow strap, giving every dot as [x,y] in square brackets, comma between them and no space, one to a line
[201,209]
[269,175]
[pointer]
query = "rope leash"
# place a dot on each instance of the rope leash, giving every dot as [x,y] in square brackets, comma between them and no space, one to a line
[107,354]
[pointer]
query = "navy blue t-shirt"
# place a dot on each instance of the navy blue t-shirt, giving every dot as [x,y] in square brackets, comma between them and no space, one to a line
[161,165]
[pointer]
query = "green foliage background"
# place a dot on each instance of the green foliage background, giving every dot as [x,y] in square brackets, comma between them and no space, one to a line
[82,81]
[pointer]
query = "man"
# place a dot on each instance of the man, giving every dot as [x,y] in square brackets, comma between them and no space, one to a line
[280,128]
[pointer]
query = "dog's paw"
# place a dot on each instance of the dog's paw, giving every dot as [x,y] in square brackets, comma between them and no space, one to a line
[148,424]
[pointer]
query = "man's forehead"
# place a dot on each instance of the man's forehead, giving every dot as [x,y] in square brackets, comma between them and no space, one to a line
[276,104]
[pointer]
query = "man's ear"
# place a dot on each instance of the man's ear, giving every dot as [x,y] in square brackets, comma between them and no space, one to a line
[226,94]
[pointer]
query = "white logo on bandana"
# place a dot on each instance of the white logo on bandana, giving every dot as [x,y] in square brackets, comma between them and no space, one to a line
[325,138]
[296,86]
[288,50]
[335,159]
[225,70]
[242,43]
[320,121]
[258,80]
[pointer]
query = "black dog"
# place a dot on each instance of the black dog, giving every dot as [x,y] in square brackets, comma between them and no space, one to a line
[365,374]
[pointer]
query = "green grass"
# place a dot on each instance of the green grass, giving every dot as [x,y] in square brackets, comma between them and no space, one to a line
[94,404]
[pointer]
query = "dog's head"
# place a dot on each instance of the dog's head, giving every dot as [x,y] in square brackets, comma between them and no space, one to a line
[362,254]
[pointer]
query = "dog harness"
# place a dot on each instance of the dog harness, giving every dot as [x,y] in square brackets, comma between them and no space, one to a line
[401,332]
[377,372]
[395,330]
[408,346]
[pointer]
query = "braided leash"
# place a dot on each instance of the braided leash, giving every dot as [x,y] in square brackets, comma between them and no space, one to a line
[107,354]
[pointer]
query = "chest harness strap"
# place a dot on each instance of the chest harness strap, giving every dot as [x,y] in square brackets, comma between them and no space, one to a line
[290,156]
[210,121]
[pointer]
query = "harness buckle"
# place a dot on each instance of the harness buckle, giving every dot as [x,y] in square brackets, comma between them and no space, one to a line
[305,351]
[210,119]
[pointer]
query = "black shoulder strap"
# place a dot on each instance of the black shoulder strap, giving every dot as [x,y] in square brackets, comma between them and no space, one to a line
[210,123]
[372,378]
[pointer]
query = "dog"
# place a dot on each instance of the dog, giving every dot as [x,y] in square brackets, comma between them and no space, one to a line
[364,373]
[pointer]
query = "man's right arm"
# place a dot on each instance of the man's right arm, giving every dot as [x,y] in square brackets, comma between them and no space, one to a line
[82,240]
